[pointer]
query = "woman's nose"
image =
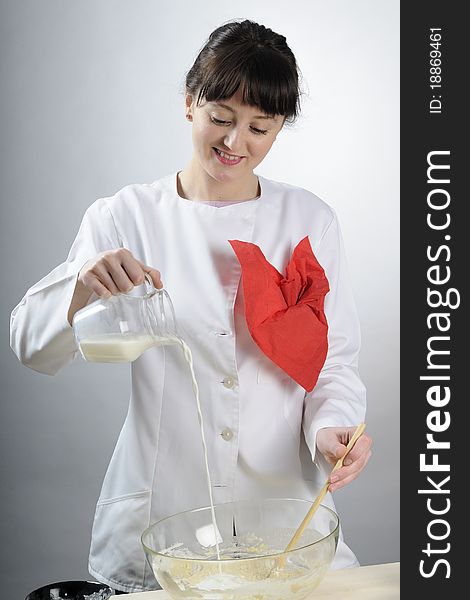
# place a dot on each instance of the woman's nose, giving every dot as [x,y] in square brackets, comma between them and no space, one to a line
[234,140]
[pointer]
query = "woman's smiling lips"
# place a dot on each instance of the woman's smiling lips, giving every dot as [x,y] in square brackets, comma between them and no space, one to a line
[227,159]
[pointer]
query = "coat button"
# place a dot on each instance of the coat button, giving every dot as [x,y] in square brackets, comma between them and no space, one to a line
[228,382]
[227,434]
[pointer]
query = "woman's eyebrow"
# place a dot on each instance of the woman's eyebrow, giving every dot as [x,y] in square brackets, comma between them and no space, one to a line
[234,111]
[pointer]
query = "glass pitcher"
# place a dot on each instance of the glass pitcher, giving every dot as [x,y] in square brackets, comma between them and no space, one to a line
[120,328]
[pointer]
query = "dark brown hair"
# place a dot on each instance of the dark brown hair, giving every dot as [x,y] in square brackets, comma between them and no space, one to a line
[250,57]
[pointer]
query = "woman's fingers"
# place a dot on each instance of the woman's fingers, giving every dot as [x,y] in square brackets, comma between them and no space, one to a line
[353,464]
[345,475]
[136,271]
[332,442]
[126,270]
[97,287]
[154,275]
[97,278]
[360,448]
[116,271]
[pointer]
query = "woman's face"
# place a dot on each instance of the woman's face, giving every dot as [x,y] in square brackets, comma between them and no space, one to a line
[230,138]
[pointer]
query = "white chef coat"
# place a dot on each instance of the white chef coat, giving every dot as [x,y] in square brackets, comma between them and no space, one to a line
[260,425]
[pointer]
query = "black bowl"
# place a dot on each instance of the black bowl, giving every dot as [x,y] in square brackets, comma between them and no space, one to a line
[72,590]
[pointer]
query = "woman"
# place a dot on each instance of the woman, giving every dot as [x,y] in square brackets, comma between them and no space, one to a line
[266,434]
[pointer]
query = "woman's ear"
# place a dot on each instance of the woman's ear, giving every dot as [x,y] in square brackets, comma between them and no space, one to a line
[189,107]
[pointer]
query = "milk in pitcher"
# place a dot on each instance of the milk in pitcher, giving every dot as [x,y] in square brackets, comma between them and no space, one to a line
[119,348]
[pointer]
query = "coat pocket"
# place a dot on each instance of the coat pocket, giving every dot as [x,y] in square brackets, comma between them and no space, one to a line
[116,550]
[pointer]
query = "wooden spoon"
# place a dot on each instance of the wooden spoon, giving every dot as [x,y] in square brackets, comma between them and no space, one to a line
[357,434]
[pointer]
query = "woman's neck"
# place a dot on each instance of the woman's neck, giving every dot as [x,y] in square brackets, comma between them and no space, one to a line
[194,185]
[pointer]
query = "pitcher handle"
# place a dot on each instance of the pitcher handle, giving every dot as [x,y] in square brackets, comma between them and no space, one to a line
[162,296]
[168,326]
[151,289]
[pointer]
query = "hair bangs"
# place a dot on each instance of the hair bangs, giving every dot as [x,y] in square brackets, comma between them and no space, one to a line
[263,82]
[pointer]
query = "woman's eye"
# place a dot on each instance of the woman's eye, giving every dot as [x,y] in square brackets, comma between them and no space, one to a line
[219,121]
[226,123]
[259,131]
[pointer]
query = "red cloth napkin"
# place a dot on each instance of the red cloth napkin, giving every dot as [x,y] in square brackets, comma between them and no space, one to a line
[285,315]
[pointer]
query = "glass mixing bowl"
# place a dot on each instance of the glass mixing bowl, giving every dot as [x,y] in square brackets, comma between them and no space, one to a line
[251,537]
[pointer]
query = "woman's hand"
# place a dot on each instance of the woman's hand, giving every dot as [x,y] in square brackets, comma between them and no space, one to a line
[114,272]
[110,273]
[332,442]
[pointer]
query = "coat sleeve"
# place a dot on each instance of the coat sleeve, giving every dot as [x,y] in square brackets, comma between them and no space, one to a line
[339,397]
[40,334]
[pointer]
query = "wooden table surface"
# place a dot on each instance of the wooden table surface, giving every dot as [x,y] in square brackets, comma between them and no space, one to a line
[374,582]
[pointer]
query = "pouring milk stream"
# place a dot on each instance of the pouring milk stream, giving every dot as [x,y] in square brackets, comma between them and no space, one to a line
[120,328]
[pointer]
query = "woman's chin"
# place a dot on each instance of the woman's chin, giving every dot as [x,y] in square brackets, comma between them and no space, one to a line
[224,175]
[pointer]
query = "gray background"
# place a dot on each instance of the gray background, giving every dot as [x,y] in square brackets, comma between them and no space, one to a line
[91,101]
